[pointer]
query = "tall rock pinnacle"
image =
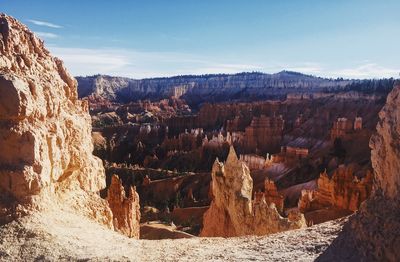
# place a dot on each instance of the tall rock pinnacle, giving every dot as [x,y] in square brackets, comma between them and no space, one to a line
[232,211]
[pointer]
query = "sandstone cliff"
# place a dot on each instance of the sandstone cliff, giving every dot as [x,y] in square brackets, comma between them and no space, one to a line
[373,233]
[126,210]
[232,211]
[197,89]
[45,133]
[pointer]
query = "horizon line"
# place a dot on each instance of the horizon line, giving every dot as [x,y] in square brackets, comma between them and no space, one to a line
[238,73]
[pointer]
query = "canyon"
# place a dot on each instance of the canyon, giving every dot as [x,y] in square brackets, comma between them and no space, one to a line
[301,144]
[280,160]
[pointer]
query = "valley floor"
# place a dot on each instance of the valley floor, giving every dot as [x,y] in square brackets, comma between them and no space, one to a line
[58,236]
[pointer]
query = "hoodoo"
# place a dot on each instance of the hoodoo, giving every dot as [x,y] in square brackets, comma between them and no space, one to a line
[125,209]
[233,212]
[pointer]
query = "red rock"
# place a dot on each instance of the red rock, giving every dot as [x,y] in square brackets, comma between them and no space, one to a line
[264,134]
[272,196]
[343,191]
[125,209]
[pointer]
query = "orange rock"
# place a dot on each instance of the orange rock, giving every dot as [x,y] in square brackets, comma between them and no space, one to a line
[232,211]
[264,133]
[146,181]
[373,233]
[343,127]
[45,132]
[126,210]
[343,191]
[272,196]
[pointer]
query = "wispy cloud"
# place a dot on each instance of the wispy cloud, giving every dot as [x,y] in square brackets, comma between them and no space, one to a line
[44,23]
[138,64]
[311,68]
[369,70]
[46,35]
[360,70]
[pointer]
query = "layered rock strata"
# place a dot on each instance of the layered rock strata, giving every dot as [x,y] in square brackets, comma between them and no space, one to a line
[233,212]
[343,191]
[45,133]
[264,133]
[208,87]
[125,209]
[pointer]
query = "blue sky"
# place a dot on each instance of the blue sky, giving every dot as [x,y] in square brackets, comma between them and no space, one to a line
[349,38]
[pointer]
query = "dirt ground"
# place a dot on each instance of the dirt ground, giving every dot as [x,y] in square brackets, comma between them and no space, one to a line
[62,236]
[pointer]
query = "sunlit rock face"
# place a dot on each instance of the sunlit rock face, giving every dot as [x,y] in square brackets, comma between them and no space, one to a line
[343,190]
[45,132]
[385,145]
[373,233]
[233,212]
[125,208]
[378,224]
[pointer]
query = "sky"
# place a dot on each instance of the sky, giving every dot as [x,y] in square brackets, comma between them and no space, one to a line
[152,38]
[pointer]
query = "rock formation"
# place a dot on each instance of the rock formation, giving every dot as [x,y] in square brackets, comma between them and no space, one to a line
[126,210]
[232,211]
[343,127]
[373,233]
[343,191]
[197,89]
[264,133]
[45,133]
[272,196]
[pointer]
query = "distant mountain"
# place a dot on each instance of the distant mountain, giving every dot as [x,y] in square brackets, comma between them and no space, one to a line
[196,89]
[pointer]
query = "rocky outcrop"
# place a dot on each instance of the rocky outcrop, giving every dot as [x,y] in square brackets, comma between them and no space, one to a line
[373,233]
[232,211]
[343,191]
[125,209]
[385,155]
[45,133]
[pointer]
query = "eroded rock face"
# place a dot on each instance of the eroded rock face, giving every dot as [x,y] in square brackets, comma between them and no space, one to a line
[378,223]
[270,195]
[385,145]
[197,89]
[373,233]
[264,133]
[343,190]
[125,209]
[232,211]
[45,132]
